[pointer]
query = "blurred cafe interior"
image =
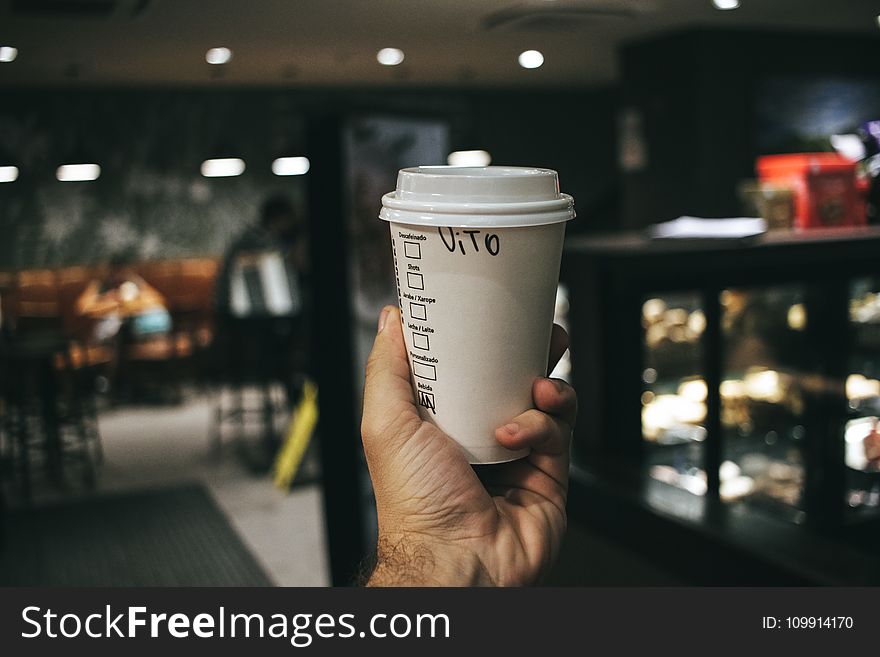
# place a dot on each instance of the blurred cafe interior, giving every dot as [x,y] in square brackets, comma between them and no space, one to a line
[191,268]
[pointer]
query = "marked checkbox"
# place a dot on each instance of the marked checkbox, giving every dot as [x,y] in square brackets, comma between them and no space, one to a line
[426,399]
[420,341]
[418,310]
[412,250]
[415,281]
[424,371]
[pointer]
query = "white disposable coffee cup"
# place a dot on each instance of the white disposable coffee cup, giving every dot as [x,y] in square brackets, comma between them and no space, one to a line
[476,255]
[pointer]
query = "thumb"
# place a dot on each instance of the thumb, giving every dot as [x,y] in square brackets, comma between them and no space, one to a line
[390,412]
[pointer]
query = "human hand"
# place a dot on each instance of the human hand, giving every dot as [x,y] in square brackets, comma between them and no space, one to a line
[443,521]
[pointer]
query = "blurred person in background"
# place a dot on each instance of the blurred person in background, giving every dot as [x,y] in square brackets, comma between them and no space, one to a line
[123,308]
[260,301]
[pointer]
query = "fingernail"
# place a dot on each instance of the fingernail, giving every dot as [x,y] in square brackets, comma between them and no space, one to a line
[383,317]
[512,428]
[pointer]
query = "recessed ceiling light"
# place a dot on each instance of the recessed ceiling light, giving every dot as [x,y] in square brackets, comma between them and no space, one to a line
[77,172]
[724,5]
[8,53]
[878,20]
[223,167]
[8,174]
[218,55]
[389,56]
[469,159]
[531,59]
[290,166]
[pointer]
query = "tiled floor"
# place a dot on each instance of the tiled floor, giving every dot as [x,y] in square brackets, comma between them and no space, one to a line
[160,446]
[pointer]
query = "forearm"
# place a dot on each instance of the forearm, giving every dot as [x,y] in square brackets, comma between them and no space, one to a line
[409,560]
[99,307]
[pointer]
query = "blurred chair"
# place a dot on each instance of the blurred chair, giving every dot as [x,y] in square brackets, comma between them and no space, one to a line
[248,376]
[83,361]
[72,282]
[37,304]
[193,299]
[191,307]
[7,300]
[48,408]
[46,422]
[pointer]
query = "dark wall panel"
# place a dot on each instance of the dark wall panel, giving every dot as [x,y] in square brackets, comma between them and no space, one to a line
[151,200]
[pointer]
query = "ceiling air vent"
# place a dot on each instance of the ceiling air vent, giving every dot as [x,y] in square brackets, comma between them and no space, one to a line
[78,8]
[559,18]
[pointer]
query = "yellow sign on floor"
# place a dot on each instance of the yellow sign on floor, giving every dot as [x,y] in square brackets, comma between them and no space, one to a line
[299,433]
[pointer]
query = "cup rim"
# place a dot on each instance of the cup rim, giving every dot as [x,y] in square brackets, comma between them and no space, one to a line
[513,196]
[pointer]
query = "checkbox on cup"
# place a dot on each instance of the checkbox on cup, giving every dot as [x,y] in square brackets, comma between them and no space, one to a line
[424,371]
[415,281]
[412,250]
[418,311]
[420,341]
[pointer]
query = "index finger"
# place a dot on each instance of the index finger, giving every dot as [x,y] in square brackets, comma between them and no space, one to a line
[556,397]
[558,344]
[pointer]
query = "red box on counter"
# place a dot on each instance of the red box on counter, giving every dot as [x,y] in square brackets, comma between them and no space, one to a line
[824,186]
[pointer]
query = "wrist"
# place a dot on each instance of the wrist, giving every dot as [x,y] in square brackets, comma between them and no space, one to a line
[413,560]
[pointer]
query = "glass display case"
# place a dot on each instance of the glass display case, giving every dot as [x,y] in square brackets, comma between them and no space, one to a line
[760,394]
[732,383]
[862,433]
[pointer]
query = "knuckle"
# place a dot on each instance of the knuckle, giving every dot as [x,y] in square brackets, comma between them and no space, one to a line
[541,424]
[548,425]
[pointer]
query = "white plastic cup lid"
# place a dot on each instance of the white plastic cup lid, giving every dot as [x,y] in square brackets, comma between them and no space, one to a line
[497,197]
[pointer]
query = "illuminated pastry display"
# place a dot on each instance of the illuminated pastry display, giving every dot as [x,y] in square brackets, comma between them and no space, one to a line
[761,404]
